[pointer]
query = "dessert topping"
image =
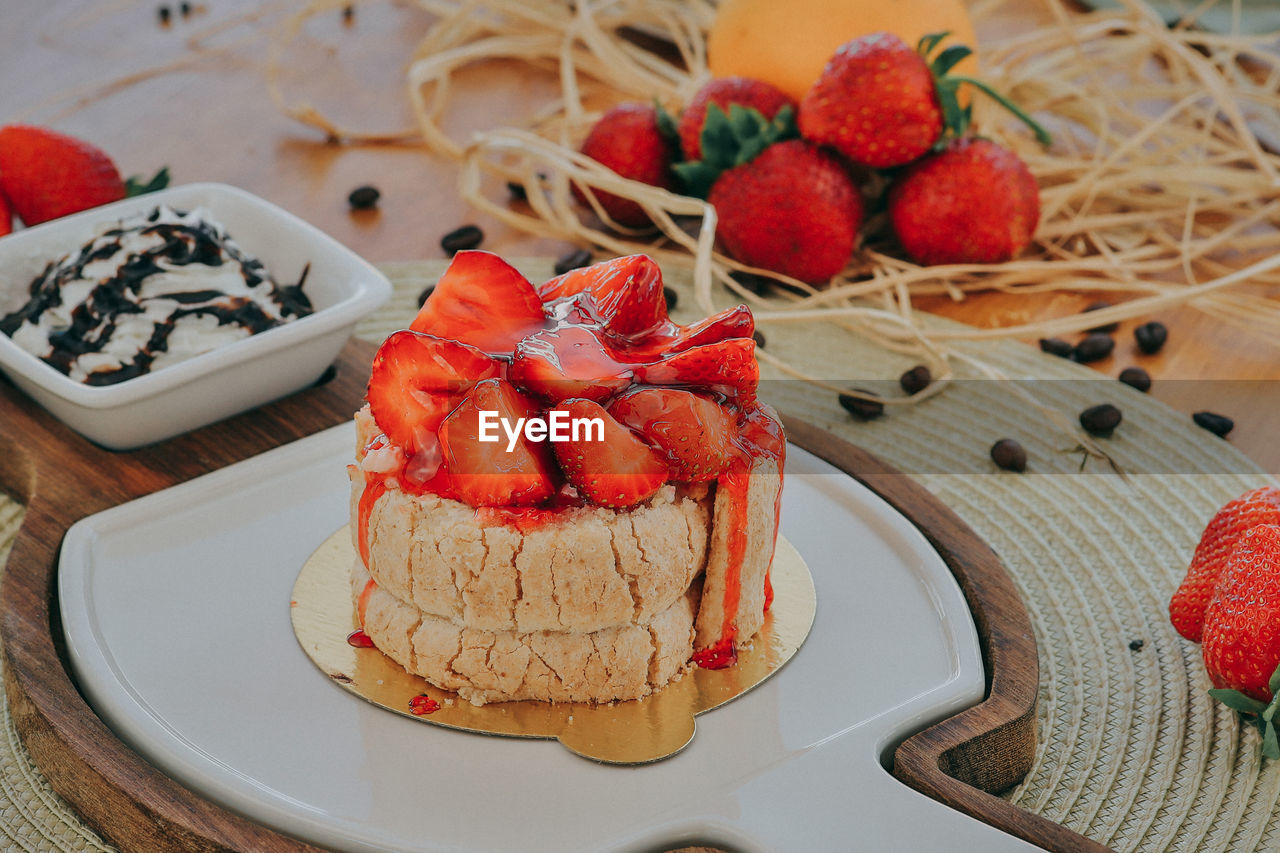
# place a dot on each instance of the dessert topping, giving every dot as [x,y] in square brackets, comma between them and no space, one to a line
[693,432]
[618,471]
[417,380]
[484,473]
[568,361]
[146,292]
[483,301]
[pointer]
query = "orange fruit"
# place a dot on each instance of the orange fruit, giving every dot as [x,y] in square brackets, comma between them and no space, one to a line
[788,44]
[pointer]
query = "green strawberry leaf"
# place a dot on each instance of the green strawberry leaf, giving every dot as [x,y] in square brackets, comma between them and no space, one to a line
[718,141]
[732,139]
[1237,701]
[742,121]
[927,43]
[667,126]
[948,59]
[138,185]
[783,125]
[696,176]
[1270,744]
[1274,684]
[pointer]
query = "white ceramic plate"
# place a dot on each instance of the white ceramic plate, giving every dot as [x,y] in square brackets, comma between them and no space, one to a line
[176,613]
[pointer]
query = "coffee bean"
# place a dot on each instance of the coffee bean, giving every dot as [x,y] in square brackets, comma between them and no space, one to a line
[1136,645]
[671,297]
[1136,377]
[426,292]
[1093,347]
[861,409]
[757,284]
[1106,328]
[572,260]
[363,198]
[1150,337]
[916,379]
[758,337]
[459,239]
[1101,419]
[1056,346]
[1009,455]
[1217,424]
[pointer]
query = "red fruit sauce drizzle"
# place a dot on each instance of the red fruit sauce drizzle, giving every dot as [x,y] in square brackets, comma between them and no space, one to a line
[360,640]
[362,604]
[423,704]
[760,438]
[373,489]
[725,653]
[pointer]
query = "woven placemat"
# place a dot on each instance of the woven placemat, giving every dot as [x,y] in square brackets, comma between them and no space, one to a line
[1131,753]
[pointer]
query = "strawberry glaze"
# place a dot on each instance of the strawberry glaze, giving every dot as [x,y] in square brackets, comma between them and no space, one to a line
[359,639]
[362,604]
[423,704]
[373,489]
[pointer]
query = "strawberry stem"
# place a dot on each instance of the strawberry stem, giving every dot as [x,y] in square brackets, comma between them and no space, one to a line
[1042,135]
[954,116]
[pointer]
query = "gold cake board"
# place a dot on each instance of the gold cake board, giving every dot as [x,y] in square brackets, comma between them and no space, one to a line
[638,731]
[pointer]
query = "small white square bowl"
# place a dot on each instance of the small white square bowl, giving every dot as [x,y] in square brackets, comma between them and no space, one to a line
[342,287]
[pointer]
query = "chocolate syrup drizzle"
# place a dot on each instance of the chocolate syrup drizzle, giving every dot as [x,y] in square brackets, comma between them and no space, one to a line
[94,321]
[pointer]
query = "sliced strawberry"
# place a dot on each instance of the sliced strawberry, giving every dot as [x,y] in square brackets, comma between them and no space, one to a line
[619,471]
[483,301]
[625,293]
[725,367]
[485,473]
[694,433]
[761,430]
[418,379]
[735,322]
[569,361]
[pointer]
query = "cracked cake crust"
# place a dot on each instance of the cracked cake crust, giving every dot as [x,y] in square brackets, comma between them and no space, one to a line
[616,663]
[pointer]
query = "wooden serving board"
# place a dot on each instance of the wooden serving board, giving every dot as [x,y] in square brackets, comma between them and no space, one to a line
[61,478]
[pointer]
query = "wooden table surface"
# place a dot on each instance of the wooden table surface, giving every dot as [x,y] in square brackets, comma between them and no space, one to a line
[209,117]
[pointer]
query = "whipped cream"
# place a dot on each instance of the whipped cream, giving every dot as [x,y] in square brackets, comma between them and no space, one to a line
[147,292]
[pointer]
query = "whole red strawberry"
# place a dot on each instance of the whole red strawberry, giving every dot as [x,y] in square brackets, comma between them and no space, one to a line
[1187,607]
[875,103]
[881,103]
[46,174]
[973,202]
[6,216]
[793,209]
[1242,632]
[627,139]
[725,92]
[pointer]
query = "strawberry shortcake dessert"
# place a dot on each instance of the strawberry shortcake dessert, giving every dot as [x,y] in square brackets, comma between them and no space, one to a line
[559,494]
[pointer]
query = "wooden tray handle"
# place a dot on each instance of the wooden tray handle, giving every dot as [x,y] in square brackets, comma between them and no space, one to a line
[964,759]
